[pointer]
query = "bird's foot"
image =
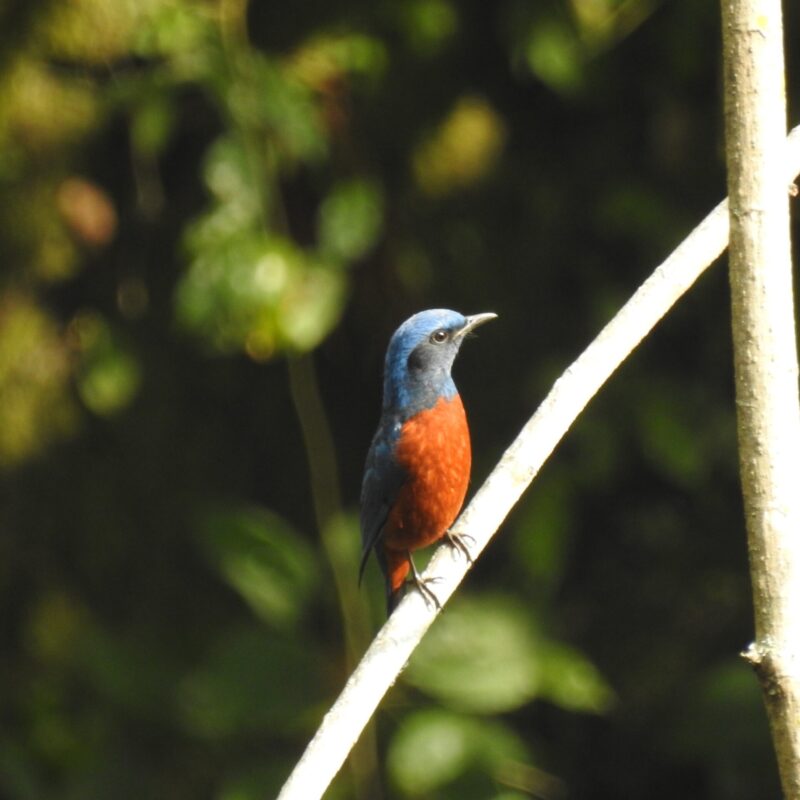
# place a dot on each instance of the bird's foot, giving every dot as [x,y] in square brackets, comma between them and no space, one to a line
[459,541]
[422,586]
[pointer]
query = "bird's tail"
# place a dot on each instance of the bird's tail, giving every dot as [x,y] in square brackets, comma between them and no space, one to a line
[393,598]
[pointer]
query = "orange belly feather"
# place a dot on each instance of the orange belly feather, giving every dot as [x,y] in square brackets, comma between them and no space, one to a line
[434,449]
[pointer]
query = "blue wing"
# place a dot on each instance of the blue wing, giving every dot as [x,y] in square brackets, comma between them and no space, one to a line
[383,478]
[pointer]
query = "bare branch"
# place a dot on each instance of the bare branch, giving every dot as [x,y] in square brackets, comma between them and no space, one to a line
[404,629]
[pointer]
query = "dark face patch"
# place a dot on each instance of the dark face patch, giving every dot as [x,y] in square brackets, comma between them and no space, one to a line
[419,358]
[435,353]
[427,371]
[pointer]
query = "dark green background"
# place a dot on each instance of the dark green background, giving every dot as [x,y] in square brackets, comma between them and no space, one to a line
[212,218]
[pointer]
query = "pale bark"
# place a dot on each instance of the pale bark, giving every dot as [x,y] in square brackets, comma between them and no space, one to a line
[765,358]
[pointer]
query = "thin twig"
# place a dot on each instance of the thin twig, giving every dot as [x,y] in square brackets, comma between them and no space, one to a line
[395,642]
[327,510]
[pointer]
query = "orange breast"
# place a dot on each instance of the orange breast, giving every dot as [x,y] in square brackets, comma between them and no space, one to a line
[434,450]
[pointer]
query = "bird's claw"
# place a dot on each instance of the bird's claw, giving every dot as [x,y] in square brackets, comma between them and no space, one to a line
[421,583]
[428,595]
[459,541]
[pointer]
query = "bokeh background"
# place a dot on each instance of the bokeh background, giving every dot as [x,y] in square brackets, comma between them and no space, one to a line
[212,217]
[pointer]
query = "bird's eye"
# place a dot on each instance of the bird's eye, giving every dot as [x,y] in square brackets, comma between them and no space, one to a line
[440,336]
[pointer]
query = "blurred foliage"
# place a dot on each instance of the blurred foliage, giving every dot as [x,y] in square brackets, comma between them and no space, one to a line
[34,371]
[450,746]
[193,191]
[108,376]
[463,150]
[264,560]
[483,656]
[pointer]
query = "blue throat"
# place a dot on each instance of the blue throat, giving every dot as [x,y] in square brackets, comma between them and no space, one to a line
[405,398]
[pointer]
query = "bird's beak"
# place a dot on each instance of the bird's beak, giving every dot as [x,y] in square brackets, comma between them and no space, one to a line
[473,322]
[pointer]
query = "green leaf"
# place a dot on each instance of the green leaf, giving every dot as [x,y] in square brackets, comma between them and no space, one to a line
[229,176]
[350,220]
[479,656]
[484,656]
[310,307]
[172,30]
[263,95]
[263,559]
[152,123]
[448,745]
[108,375]
[331,56]
[668,441]
[252,681]
[554,55]
[442,741]
[246,289]
[543,539]
[428,25]
[127,671]
[571,681]
[34,380]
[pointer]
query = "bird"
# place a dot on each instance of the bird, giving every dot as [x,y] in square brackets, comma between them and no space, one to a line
[418,464]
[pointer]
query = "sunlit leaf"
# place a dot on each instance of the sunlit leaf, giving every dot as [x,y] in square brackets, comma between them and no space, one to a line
[30,92]
[350,220]
[263,559]
[571,681]
[428,24]
[173,29]
[463,149]
[228,173]
[311,307]
[36,226]
[259,293]
[92,30]
[108,374]
[554,55]
[249,288]
[327,58]
[483,655]
[152,123]
[603,22]
[443,742]
[268,98]
[479,656]
[448,745]
[34,373]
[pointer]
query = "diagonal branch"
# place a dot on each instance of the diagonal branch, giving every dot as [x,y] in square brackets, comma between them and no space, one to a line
[395,642]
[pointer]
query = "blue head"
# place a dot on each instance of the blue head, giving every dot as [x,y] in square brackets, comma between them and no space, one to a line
[420,355]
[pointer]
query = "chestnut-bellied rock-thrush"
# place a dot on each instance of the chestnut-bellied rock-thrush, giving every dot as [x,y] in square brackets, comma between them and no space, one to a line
[418,464]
